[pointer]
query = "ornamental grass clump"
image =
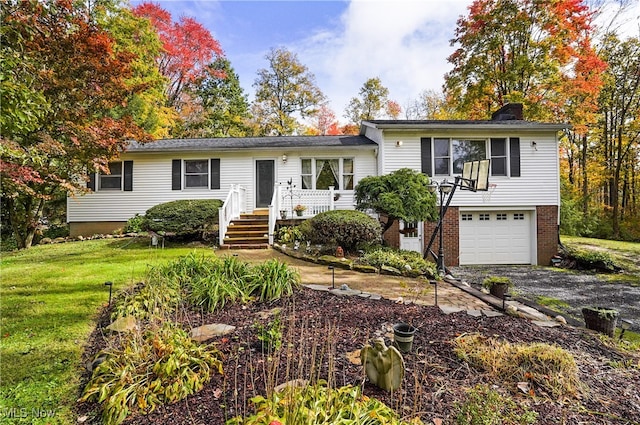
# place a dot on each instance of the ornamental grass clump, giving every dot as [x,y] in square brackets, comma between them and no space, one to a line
[549,368]
[400,259]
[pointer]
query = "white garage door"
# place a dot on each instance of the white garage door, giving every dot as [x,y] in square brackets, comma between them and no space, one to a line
[495,237]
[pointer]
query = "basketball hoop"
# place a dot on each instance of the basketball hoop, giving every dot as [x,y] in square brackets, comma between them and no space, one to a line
[486,196]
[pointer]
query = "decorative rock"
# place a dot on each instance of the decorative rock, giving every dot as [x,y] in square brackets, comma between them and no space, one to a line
[364,268]
[560,319]
[318,287]
[123,324]
[206,332]
[492,313]
[545,323]
[294,383]
[390,271]
[59,240]
[512,310]
[344,287]
[268,313]
[375,296]
[448,309]
[45,241]
[384,365]
[474,313]
[345,292]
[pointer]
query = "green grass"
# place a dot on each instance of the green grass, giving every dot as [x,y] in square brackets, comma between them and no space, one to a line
[50,297]
[552,303]
[625,255]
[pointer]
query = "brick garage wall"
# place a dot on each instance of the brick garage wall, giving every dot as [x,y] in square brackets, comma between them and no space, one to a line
[91,228]
[547,227]
[451,237]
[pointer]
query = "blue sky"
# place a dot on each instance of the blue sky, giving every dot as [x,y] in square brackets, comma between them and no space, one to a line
[343,43]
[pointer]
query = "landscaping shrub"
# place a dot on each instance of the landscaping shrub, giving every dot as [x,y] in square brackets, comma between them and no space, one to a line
[344,228]
[320,405]
[592,260]
[399,259]
[185,219]
[273,280]
[160,366]
[289,234]
[135,224]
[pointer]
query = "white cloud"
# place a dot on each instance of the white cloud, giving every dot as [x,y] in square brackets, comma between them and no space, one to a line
[404,43]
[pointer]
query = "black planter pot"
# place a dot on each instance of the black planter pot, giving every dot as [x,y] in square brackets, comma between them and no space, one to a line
[498,290]
[603,320]
[403,336]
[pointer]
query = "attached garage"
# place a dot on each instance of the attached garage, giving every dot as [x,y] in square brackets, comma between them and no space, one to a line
[496,237]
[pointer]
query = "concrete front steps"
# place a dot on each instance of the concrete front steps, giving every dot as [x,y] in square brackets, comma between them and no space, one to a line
[250,231]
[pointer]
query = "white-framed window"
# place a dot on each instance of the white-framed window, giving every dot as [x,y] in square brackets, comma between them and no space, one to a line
[196,173]
[443,156]
[113,180]
[321,173]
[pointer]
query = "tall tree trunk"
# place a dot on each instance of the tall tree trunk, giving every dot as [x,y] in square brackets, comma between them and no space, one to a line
[24,215]
[585,177]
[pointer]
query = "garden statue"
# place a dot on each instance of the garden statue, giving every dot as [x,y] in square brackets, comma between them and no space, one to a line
[384,365]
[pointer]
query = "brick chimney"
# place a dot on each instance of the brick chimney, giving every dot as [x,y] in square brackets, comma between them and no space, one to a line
[510,111]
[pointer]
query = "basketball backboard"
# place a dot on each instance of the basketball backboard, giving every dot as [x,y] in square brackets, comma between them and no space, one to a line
[475,175]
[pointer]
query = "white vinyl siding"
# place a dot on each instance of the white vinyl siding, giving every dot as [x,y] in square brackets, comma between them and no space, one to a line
[152,173]
[538,183]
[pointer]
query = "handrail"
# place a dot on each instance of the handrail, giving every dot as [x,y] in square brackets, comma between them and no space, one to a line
[234,204]
[274,210]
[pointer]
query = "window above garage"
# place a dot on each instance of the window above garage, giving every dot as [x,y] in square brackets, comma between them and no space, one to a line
[446,156]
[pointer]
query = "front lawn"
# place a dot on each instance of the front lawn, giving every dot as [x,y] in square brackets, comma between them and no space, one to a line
[49,298]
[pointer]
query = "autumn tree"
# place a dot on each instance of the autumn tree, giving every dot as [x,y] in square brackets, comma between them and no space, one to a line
[401,195]
[429,105]
[137,36]
[188,48]
[619,146]
[61,78]
[371,103]
[325,122]
[284,91]
[223,105]
[514,51]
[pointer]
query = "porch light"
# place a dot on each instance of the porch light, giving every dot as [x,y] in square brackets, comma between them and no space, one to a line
[284,158]
[398,143]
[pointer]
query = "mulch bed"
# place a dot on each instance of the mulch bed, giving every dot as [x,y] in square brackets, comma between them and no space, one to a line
[320,329]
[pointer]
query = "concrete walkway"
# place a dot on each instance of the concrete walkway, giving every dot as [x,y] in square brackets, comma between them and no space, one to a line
[453,296]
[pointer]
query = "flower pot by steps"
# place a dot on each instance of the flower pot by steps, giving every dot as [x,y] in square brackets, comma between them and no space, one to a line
[603,320]
[299,213]
[403,336]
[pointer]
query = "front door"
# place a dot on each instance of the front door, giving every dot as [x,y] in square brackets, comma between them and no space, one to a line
[411,236]
[265,181]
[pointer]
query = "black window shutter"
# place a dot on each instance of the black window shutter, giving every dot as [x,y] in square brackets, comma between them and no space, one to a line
[514,156]
[215,173]
[425,153]
[91,184]
[176,174]
[128,175]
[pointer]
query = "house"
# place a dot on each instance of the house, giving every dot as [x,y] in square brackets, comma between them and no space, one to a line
[515,222]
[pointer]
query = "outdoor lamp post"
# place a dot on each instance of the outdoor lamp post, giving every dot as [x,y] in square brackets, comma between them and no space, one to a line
[625,324]
[444,187]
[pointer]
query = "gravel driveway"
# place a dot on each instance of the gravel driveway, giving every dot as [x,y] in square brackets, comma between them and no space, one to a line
[576,289]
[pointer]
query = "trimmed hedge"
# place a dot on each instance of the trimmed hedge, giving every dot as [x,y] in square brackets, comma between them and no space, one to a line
[344,228]
[188,218]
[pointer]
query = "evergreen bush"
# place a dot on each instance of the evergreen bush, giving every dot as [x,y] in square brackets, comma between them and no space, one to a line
[185,219]
[344,228]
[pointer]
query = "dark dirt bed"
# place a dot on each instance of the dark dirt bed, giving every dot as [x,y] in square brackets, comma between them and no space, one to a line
[320,329]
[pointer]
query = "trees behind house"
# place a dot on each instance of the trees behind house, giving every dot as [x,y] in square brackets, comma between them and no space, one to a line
[284,89]
[370,104]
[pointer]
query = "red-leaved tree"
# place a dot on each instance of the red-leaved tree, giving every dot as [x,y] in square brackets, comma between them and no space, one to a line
[188,48]
[61,80]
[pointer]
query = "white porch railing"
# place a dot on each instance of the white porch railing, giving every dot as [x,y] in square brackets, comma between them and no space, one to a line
[235,204]
[285,200]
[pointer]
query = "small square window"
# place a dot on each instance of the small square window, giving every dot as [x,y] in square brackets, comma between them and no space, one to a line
[467,217]
[518,216]
[501,216]
[484,217]
[113,180]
